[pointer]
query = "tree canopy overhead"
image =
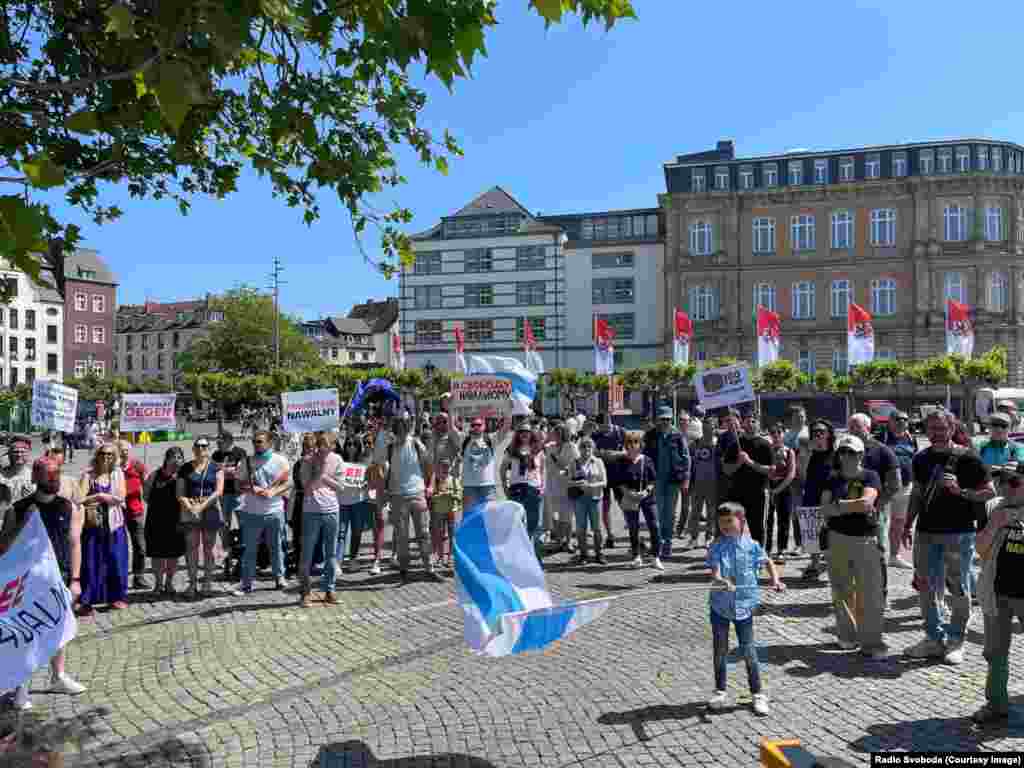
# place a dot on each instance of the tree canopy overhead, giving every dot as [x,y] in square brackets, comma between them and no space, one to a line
[174,97]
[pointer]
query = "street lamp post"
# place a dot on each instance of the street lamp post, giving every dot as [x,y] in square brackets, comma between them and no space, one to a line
[428,369]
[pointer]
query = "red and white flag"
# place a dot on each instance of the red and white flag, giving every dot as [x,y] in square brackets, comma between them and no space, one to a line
[534,361]
[768,336]
[460,351]
[684,332]
[959,329]
[604,347]
[397,353]
[860,336]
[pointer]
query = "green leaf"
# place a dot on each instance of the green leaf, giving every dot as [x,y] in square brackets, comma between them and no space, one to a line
[42,172]
[83,122]
[121,22]
[23,223]
[442,165]
[174,92]
[551,10]
[469,40]
[140,85]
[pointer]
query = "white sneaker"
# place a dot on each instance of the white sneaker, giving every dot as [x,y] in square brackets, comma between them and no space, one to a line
[638,562]
[375,568]
[926,649]
[848,645]
[21,700]
[656,565]
[64,683]
[899,562]
[761,705]
[339,568]
[954,653]
[717,701]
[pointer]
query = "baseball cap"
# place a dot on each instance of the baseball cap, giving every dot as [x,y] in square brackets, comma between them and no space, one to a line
[999,420]
[851,443]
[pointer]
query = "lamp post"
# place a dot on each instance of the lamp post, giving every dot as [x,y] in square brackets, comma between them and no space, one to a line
[428,370]
[560,242]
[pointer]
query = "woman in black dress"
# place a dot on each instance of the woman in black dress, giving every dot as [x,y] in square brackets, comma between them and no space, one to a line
[165,540]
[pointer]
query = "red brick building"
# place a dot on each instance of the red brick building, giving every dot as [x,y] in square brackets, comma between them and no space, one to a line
[90,304]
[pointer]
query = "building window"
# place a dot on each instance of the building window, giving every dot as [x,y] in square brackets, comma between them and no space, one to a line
[428,263]
[954,220]
[997,159]
[954,286]
[703,302]
[994,223]
[796,173]
[846,169]
[160,342]
[160,358]
[13,319]
[802,230]
[82,368]
[51,334]
[30,319]
[30,349]
[479,330]
[803,301]
[899,164]
[99,334]
[883,226]
[770,173]
[701,238]
[805,362]
[721,178]
[51,363]
[175,339]
[883,296]
[764,235]
[840,295]
[611,260]
[129,341]
[998,292]
[537,324]
[842,229]
[479,295]
[82,335]
[764,296]
[926,162]
[885,353]
[963,159]
[945,161]
[532,293]
[145,341]
[427,296]
[144,362]
[99,303]
[872,167]
[81,302]
[746,178]
[839,364]
[612,290]
[821,171]
[478,260]
[428,332]
[129,364]
[624,324]
[982,158]
[530,257]
[99,368]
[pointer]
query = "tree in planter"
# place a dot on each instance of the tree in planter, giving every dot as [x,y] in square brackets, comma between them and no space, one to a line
[990,369]
[780,376]
[223,389]
[877,373]
[667,378]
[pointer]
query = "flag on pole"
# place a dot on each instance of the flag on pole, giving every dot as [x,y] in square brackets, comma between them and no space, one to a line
[768,330]
[397,352]
[460,350]
[604,347]
[959,329]
[684,332]
[534,361]
[524,382]
[860,336]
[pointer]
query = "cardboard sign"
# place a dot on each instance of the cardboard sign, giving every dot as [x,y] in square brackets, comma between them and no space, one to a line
[353,475]
[810,525]
[722,387]
[148,413]
[311,411]
[486,396]
[54,406]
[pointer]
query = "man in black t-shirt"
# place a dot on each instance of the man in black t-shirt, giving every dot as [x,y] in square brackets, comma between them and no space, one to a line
[749,473]
[234,461]
[949,484]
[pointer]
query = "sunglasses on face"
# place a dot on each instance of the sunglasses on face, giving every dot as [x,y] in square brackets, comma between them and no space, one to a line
[107,455]
[846,452]
[1015,482]
[203,446]
[819,432]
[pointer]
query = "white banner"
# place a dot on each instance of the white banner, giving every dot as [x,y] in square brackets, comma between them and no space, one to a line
[810,525]
[310,411]
[479,395]
[353,475]
[54,406]
[36,619]
[148,413]
[722,387]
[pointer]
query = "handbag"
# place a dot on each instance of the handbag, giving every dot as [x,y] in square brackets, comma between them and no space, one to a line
[575,492]
[630,498]
[96,515]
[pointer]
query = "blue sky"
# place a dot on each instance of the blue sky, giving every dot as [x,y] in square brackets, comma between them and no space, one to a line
[574,119]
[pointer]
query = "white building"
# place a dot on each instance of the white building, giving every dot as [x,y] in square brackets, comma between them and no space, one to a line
[31,332]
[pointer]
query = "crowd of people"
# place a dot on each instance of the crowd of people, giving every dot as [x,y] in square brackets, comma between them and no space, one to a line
[721,482]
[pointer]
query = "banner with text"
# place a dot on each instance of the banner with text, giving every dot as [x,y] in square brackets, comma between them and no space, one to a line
[148,413]
[36,619]
[310,411]
[722,387]
[54,406]
[353,475]
[810,526]
[486,396]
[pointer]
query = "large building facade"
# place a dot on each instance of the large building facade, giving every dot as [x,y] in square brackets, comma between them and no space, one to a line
[31,332]
[88,327]
[896,229]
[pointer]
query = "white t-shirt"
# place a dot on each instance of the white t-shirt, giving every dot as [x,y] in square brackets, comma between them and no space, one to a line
[406,474]
[479,463]
[322,500]
[264,473]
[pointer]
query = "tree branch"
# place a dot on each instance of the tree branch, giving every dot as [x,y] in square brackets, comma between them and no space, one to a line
[83,84]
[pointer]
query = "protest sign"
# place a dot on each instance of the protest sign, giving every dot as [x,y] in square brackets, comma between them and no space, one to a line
[148,413]
[722,387]
[810,525]
[36,619]
[353,475]
[480,395]
[54,406]
[310,411]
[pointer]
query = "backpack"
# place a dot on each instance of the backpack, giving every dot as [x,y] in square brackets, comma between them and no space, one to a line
[420,450]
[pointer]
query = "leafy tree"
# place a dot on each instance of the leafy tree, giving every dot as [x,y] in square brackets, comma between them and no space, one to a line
[174,97]
[780,376]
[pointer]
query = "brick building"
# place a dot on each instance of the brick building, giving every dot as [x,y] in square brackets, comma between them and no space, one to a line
[89,308]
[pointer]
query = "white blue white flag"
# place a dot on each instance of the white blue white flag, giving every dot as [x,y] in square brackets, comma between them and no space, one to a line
[524,381]
[506,605]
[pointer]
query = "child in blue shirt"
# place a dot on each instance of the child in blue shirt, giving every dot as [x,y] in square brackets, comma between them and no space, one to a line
[735,559]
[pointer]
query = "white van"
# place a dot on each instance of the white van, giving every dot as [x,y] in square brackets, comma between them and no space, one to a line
[986,399]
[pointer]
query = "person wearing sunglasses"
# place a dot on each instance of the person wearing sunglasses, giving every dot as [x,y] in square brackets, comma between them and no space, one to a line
[817,465]
[165,539]
[17,475]
[200,487]
[267,477]
[104,536]
[999,452]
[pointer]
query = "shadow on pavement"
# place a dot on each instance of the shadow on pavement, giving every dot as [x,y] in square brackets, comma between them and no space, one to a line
[29,735]
[828,659]
[956,734]
[169,752]
[636,719]
[356,754]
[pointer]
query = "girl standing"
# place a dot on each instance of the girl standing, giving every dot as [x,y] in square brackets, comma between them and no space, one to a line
[200,486]
[521,473]
[356,513]
[377,503]
[165,540]
[321,481]
[104,538]
[780,500]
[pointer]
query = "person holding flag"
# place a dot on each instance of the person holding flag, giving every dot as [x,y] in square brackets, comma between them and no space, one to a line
[860,336]
[683,336]
[604,347]
[532,358]
[959,329]
[460,351]
[768,330]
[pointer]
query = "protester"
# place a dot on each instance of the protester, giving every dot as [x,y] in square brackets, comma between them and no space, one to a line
[635,495]
[586,486]
[445,502]
[234,461]
[262,512]
[666,447]
[378,500]
[705,468]
[881,459]
[104,538]
[683,424]
[165,539]
[797,439]
[134,472]
[199,487]
[446,443]
[355,513]
[17,475]
[479,465]
[903,445]
[538,438]
[520,473]
[321,482]
[561,455]
[999,451]
[818,471]
[780,499]
[609,439]
[948,482]
[297,501]
[735,560]
[750,468]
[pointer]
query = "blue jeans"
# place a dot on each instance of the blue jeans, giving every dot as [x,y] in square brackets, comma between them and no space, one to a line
[747,649]
[588,513]
[253,525]
[352,521]
[666,494]
[937,555]
[315,524]
[472,494]
[529,497]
